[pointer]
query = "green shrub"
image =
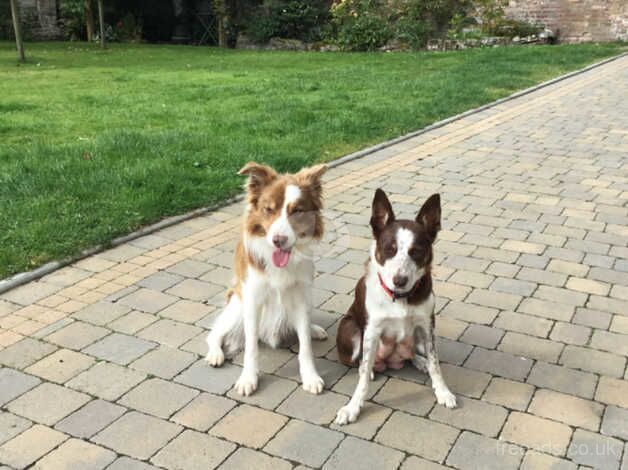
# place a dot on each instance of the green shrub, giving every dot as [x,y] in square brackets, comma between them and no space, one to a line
[360,25]
[290,19]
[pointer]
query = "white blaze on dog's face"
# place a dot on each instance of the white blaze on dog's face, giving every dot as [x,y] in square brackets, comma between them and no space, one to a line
[403,248]
[284,209]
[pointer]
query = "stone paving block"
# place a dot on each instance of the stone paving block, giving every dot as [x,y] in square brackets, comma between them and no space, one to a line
[271,391]
[158,397]
[334,283]
[305,443]
[545,309]
[536,433]
[481,335]
[417,436]
[193,289]
[465,381]
[270,359]
[513,286]
[203,412]
[14,383]
[47,403]
[499,363]
[119,348]
[24,353]
[592,360]
[619,324]
[77,335]
[106,381]
[570,334]
[505,270]
[358,454]
[607,304]
[449,290]
[132,322]
[210,379]
[560,295]
[308,407]
[521,323]
[249,426]
[406,396]
[169,332]
[594,450]
[537,461]
[530,346]
[346,385]
[587,286]
[453,352]
[473,415]
[75,454]
[329,371]
[514,395]
[160,281]
[542,276]
[470,313]
[417,463]
[121,253]
[611,342]
[563,379]
[137,435]
[61,365]
[101,313]
[612,392]
[29,446]
[164,362]
[471,278]
[189,268]
[494,299]
[567,409]
[90,419]
[592,318]
[450,328]
[30,293]
[473,451]
[248,458]
[615,422]
[11,426]
[186,311]
[147,300]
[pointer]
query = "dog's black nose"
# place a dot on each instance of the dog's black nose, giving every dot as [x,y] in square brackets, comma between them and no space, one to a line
[279,240]
[400,281]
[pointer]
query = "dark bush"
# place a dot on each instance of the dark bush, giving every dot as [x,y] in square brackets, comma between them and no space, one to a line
[290,19]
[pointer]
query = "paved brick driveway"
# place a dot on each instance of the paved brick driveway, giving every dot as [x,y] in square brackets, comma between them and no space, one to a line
[102,361]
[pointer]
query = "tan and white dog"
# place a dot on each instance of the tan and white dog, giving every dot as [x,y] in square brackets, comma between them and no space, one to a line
[392,317]
[271,296]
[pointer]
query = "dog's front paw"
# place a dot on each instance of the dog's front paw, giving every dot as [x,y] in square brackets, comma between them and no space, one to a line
[318,333]
[246,384]
[215,357]
[347,414]
[446,398]
[312,383]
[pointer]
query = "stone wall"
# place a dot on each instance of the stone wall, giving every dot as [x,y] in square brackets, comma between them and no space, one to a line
[576,20]
[40,19]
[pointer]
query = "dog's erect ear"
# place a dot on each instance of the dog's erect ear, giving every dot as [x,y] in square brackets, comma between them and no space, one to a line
[310,178]
[313,174]
[259,177]
[382,212]
[429,216]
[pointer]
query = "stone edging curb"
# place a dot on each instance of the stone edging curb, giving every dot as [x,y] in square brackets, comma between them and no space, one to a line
[28,276]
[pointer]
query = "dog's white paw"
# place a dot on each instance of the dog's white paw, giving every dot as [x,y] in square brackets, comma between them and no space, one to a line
[246,384]
[446,398]
[347,414]
[312,383]
[318,333]
[215,357]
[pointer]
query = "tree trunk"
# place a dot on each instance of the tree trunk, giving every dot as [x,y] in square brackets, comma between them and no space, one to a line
[15,13]
[101,20]
[89,20]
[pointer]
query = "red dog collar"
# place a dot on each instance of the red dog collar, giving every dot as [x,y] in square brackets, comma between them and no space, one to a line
[396,295]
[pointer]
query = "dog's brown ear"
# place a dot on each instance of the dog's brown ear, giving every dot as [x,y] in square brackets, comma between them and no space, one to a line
[429,216]
[310,178]
[313,173]
[259,176]
[382,214]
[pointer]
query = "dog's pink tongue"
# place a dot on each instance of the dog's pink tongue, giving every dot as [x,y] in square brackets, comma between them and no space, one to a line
[281,257]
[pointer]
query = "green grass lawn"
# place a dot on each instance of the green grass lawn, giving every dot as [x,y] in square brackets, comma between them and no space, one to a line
[94,144]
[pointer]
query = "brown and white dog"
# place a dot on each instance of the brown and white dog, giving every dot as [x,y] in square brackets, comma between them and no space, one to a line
[392,317]
[274,271]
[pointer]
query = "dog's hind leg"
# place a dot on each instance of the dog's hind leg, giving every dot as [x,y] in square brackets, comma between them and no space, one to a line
[227,331]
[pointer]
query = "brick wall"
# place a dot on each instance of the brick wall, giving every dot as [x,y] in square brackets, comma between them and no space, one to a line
[576,20]
[39,18]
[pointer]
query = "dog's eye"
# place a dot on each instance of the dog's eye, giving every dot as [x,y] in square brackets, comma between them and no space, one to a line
[391,249]
[268,210]
[414,253]
[297,210]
